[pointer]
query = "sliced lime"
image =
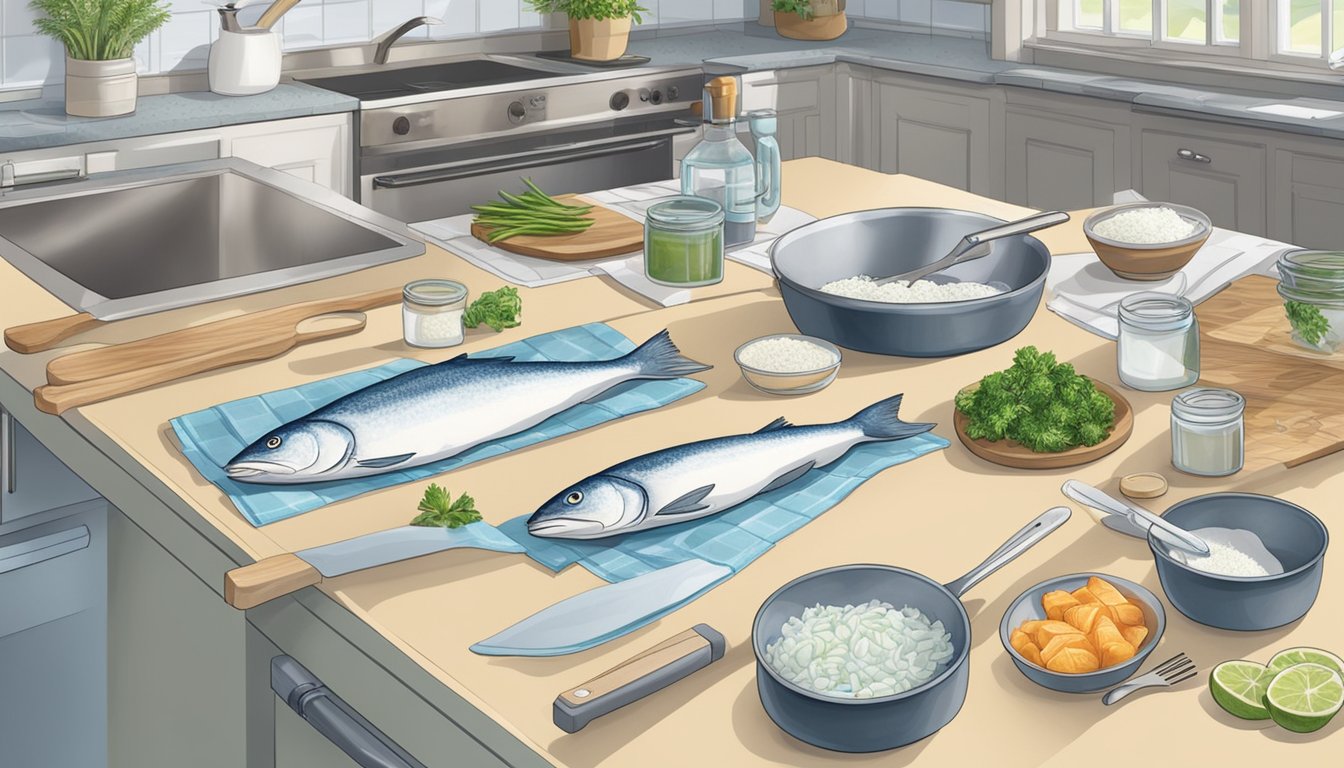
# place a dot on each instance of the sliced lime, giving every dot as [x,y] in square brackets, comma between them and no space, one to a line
[1304,697]
[1239,687]
[1293,656]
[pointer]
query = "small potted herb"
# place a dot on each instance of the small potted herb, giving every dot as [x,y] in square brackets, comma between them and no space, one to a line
[810,19]
[99,37]
[599,30]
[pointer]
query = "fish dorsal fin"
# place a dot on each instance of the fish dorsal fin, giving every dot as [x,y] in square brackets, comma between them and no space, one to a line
[789,477]
[779,423]
[463,360]
[383,461]
[688,503]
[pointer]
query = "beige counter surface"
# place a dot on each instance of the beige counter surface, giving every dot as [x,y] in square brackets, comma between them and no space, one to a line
[939,515]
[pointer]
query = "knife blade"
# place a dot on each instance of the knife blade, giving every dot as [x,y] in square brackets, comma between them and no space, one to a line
[252,585]
[605,613]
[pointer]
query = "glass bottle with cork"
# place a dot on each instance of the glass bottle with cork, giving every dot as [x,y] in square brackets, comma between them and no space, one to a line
[720,167]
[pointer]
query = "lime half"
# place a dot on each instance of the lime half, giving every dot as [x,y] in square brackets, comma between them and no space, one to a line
[1239,687]
[1294,656]
[1304,697]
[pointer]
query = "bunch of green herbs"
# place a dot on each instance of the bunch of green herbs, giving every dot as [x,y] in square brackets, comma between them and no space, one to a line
[99,30]
[801,7]
[1307,320]
[591,9]
[440,510]
[1040,402]
[498,309]
[531,213]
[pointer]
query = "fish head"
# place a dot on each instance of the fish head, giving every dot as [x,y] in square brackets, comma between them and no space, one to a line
[596,507]
[297,452]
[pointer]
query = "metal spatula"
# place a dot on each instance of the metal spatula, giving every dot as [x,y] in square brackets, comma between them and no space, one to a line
[978,245]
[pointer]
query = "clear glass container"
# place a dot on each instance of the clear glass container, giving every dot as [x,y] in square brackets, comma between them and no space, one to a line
[1158,346]
[764,124]
[683,242]
[1208,432]
[1312,286]
[431,313]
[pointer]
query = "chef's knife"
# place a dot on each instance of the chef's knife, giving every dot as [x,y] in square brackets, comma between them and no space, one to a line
[633,679]
[606,612]
[252,585]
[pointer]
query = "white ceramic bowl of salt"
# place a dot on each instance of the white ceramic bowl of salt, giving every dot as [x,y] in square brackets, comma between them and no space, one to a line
[788,363]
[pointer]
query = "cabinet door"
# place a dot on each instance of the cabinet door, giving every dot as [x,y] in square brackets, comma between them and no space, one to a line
[315,149]
[934,134]
[32,480]
[1065,153]
[1225,179]
[805,101]
[1308,199]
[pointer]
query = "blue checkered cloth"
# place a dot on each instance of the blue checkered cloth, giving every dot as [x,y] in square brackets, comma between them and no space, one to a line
[734,538]
[212,437]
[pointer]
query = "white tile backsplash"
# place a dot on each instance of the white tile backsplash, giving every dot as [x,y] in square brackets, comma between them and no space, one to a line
[183,43]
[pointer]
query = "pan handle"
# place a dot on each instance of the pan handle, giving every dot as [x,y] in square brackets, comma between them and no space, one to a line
[1020,542]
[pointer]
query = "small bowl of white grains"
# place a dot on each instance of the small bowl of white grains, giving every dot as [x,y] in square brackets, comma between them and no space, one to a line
[788,364]
[1147,241]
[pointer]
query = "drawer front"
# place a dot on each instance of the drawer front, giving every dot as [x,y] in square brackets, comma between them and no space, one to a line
[53,570]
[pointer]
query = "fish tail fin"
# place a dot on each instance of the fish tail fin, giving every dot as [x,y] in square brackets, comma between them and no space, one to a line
[882,421]
[659,358]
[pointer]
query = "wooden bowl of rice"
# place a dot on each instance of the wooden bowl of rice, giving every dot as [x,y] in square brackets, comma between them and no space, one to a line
[1147,241]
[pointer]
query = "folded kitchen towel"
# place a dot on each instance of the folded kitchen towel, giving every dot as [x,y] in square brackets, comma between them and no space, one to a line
[734,538]
[212,437]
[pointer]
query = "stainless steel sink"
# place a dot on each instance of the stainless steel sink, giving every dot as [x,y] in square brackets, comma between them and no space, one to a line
[128,243]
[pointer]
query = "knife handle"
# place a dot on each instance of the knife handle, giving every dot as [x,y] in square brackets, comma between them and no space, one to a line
[252,585]
[632,680]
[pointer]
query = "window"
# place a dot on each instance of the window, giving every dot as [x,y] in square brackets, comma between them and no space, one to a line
[1295,32]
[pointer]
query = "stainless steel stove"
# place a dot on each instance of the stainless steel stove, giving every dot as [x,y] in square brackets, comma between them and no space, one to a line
[436,138]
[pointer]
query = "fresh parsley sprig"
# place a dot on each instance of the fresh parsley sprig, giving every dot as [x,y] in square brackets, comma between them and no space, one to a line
[439,510]
[498,309]
[1307,320]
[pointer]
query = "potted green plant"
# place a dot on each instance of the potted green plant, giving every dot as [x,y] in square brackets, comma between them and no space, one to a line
[810,19]
[99,37]
[599,30]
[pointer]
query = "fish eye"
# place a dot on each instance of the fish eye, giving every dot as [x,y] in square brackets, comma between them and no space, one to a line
[574,498]
[274,442]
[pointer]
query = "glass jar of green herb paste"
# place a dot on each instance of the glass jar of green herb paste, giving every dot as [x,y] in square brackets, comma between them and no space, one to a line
[683,242]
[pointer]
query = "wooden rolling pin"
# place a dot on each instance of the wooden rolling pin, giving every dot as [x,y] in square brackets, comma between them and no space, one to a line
[271,326]
[58,398]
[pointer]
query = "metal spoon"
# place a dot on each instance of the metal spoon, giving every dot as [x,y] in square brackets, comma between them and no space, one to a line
[1139,517]
[978,244]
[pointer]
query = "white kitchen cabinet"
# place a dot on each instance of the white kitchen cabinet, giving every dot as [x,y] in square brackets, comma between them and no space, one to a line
[1222,171]
[1064,152]
[1307,194]
[805,102]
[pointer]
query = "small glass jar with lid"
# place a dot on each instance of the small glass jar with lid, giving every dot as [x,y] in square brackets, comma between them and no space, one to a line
[431,313]
[1158,346]
[1312,286]
[1208,432]
[683,242]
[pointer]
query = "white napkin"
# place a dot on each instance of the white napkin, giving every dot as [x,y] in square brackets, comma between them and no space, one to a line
[1083,291]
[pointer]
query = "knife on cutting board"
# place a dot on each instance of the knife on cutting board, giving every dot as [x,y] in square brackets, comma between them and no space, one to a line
[252,585]
[605,613]
[637,677]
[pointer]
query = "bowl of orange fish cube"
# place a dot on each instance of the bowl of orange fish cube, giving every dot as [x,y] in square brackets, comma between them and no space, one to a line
[1082,633]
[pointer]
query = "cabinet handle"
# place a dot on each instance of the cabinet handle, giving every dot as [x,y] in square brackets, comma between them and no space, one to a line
[1193,156]
[8,462]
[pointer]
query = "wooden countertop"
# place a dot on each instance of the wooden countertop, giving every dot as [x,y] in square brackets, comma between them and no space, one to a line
[939,515]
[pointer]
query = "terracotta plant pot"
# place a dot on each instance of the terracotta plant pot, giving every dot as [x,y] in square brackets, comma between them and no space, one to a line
[793,26]
[599,39]
[100,88]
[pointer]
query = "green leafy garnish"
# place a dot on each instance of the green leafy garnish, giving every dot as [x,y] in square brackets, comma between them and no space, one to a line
[439,510]
[801,7]
[1041,403]
[1308,321]
[498,309]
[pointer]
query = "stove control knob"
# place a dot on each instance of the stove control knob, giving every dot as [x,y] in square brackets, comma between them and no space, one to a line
[620,100]
[517,113]
[673,93]
[656,97]
[401,126]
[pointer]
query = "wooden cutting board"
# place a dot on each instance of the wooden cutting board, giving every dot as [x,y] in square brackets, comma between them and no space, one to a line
[613,234]
[1294,397]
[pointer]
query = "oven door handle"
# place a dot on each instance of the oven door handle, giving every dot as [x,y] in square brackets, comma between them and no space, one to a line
[530,161]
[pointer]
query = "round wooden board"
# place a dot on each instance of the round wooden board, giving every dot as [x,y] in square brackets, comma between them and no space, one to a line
[1010,453]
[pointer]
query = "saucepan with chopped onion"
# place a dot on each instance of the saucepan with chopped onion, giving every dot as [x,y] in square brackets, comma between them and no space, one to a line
[826,273]
[865,658]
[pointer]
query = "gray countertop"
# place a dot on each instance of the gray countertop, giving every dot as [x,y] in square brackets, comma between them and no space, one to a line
[40,123]
[968,60]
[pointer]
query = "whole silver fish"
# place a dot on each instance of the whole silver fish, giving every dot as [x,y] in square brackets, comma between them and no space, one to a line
[698,479]
[440,410]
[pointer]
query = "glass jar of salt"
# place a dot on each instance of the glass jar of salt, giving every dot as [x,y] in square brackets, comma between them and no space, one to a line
[431,313]
[1158,346]
[1208,433]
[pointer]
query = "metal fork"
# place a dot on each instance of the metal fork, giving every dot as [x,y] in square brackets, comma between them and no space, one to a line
[1177,669]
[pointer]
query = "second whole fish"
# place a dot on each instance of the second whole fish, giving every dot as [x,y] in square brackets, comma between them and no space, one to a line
[703,478]
[439,411]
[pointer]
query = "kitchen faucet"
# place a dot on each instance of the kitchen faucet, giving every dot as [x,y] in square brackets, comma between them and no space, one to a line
[386,41]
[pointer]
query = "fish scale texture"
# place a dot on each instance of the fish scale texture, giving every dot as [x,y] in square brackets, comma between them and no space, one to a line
[210,438]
